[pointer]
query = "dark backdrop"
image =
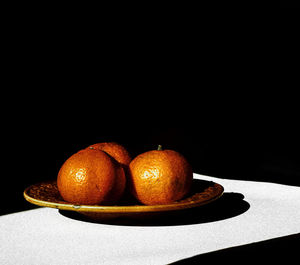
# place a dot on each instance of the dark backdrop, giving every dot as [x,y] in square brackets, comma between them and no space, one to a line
[227,101]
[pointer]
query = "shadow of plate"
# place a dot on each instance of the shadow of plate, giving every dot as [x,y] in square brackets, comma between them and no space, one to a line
[229,205]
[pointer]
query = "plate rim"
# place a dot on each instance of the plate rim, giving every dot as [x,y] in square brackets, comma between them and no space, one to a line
[120,208]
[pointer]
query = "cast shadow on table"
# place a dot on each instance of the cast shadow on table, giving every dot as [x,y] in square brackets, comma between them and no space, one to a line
[229,205]
[284,248]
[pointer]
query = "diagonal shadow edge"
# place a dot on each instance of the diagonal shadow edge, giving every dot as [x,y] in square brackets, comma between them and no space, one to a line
[271,250]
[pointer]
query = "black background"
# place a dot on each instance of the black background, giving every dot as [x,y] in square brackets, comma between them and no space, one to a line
[231,116]
[226,98]
[230,108]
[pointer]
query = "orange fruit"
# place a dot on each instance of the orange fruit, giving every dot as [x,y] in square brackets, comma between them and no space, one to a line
[117,151]
[160,177]
[91,177]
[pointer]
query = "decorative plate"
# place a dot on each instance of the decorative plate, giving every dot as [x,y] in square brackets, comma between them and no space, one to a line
[46,194]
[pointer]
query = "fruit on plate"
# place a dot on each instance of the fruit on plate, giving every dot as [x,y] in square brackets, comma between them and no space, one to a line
[91,176]
[160,177]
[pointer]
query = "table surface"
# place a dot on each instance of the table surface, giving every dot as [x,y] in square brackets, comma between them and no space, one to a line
[248,212]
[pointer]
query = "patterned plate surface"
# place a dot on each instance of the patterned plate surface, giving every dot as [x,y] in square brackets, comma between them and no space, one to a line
[46,194]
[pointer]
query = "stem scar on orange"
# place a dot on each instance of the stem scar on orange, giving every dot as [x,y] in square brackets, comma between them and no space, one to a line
[91,177]
[160,177]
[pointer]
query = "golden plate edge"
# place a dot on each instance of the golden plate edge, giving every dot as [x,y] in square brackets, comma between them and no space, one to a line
[121,209]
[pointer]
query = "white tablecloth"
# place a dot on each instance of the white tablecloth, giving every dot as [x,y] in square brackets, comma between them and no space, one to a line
[44,236]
